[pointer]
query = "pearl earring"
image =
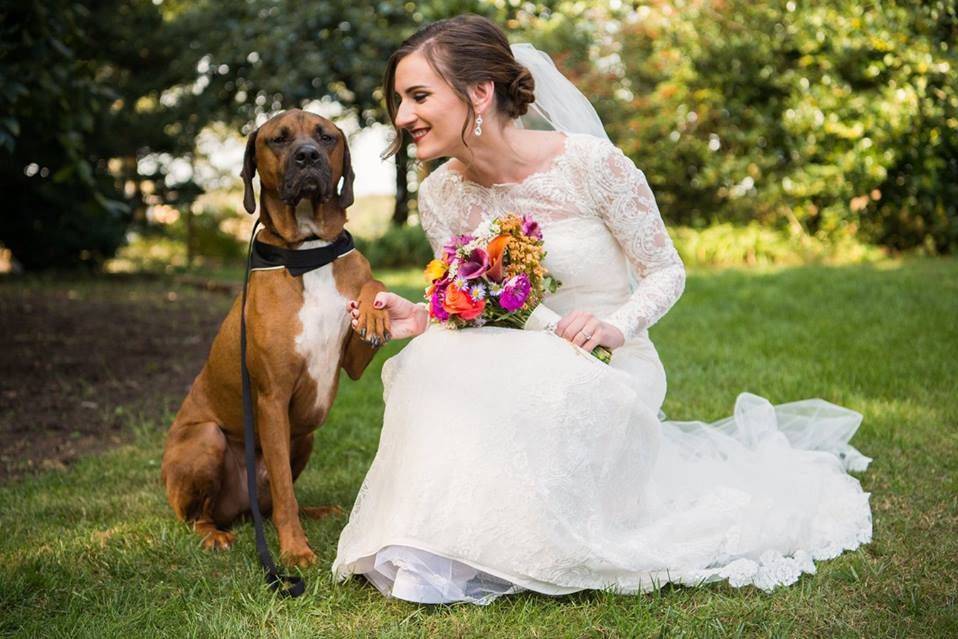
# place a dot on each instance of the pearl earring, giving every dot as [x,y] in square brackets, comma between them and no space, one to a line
[478,130]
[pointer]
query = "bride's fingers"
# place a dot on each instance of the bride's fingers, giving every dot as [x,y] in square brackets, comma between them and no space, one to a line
[384,300]
[591,334]
[570,324]
[575,327]
[592,343]
[587,333]
[564,323]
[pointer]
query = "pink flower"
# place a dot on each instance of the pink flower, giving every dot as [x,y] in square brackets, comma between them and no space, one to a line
[437,301]
[458,241]
[531,228]
[475,265]
[515,292]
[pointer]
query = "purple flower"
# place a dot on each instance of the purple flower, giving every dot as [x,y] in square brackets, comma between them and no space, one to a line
[514,292]
[458,241]
[436,301]
[475,265]
[531,228]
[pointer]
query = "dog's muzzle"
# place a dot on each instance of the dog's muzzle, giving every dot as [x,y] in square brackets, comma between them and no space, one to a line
[307,175]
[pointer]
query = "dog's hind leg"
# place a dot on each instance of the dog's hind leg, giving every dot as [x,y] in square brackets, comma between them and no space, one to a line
[193,466]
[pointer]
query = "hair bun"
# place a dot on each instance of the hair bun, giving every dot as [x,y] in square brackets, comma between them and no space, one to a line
[521,92]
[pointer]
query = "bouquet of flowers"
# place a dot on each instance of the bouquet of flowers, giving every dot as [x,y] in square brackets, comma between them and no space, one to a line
[495,277]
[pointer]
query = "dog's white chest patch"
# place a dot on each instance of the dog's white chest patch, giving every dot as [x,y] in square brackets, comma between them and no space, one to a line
[325,322]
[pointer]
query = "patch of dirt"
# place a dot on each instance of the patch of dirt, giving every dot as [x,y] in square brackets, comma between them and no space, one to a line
[82,359]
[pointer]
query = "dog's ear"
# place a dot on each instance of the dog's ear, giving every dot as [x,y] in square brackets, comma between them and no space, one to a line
[346,193]
[249,170]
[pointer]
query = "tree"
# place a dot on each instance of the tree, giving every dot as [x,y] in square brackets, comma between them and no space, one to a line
[71,138]
[830,118]
[261,56]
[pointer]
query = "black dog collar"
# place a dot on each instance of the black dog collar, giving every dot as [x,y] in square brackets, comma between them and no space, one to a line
[266,256]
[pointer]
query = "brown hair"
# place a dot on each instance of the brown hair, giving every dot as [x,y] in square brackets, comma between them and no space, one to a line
[463,51]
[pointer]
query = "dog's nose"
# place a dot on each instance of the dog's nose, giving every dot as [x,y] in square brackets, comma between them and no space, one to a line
[306,155]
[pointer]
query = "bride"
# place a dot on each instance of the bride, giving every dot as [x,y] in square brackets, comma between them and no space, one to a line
[514,460]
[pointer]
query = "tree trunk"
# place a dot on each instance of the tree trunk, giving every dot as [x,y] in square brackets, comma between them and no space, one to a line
[190,240]
[401,210]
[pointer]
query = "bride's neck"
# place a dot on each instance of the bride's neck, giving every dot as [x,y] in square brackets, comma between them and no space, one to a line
[499,157]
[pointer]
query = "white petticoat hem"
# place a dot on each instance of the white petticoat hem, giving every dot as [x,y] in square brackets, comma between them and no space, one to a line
[412,571]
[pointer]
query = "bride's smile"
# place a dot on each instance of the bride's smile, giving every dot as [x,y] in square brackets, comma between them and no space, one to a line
[429,110]
[438,119]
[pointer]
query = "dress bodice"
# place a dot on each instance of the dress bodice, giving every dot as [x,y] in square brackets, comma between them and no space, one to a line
[599,218]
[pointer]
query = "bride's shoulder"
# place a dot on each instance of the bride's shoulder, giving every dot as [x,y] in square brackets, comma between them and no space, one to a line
[436,178]
[438,185]
[590,146]
[589,154]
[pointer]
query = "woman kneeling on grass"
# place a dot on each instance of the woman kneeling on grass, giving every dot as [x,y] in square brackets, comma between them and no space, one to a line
[514,460]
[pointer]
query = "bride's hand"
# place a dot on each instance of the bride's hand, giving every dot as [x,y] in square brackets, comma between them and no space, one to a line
[405,318]
[588,331]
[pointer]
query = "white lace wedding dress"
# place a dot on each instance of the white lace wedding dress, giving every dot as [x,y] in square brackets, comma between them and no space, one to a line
[513,460]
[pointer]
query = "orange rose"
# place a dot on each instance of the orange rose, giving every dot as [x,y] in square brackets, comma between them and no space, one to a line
[496,251]
[459,302]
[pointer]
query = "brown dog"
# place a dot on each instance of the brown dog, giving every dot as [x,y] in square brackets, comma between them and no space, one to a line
[298,337]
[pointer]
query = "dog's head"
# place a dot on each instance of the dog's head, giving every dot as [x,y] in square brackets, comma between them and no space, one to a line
[301,158]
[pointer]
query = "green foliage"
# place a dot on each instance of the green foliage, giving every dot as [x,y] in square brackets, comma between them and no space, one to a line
[834,119]
[725,244]
[60,209]
[170,247]
[80,89]
[204,235]
[399,246]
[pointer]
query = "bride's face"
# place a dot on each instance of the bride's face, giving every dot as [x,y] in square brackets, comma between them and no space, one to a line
[429,109]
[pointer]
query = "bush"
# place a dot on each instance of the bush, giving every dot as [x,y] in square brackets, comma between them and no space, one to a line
[400,246]
[164,246]
[756,245]
[840,117]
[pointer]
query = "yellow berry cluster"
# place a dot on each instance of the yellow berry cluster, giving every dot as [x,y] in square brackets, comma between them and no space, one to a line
[525,255]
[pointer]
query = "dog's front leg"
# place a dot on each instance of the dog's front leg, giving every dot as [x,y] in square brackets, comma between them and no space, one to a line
[272,419]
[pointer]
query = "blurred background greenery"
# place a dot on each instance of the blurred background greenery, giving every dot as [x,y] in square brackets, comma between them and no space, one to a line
[771,132]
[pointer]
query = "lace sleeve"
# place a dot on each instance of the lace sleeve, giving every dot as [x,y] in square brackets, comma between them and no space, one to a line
[622,197]
[430,216]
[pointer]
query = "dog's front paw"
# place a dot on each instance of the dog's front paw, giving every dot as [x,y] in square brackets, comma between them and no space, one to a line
[300,555]
[372,326]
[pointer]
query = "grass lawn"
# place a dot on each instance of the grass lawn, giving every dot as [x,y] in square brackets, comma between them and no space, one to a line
[94,550]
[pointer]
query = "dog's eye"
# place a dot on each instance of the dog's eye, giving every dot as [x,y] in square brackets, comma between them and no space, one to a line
[282,138]
[325,137]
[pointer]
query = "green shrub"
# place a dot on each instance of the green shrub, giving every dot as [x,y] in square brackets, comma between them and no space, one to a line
[756,245]
[838,117]
[164,246]
[400,246]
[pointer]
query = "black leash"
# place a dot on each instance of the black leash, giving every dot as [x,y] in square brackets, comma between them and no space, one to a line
[266,256]
[286,585]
